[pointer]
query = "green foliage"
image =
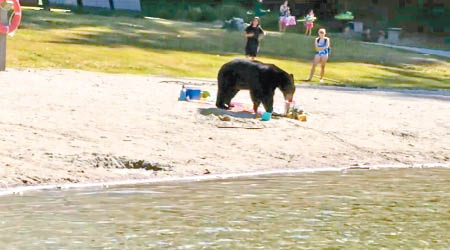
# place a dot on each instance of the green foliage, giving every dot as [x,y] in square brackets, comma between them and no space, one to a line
[202,10]
[228,11]
[270,21]
[181,14]
[105,12]
[194,14]
[208,13]
[436,18]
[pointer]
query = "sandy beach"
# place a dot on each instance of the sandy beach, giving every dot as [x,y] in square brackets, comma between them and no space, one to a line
[64,126]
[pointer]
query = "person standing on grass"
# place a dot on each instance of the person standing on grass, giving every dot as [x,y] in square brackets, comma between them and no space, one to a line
[322,46]
[254,33]
[283,12]
[309,22]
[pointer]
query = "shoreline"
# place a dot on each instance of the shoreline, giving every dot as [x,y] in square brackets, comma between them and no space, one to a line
[20,190]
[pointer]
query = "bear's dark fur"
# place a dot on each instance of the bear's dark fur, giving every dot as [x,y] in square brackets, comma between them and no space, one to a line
[260,78]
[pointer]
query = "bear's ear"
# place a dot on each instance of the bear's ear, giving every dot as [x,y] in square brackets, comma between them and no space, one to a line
[292,76]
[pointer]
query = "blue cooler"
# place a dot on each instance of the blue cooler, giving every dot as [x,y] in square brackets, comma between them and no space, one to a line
[193,93]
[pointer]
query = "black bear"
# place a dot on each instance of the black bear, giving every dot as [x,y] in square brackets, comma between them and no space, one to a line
[260,78]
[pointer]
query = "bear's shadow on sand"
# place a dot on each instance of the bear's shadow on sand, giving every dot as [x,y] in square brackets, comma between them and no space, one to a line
[216,111]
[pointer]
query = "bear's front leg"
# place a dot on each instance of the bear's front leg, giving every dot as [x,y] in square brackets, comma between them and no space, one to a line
[256,102]
[220,105]
[268,103]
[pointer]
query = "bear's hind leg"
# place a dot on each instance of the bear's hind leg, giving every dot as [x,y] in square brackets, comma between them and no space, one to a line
[220,102]
[226,90]
[224,99]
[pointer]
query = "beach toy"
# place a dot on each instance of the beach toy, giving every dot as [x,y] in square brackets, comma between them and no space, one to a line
[205,94]
[295,112]
[302,118]
[289,106]
[193,93]
[266,116]
[182,94]
[304,19]
[224,118]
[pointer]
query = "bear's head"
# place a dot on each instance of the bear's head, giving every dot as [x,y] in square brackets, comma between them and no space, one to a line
[288,87]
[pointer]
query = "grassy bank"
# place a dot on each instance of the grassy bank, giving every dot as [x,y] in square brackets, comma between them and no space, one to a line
[162,47]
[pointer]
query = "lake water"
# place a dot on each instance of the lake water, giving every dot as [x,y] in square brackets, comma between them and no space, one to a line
[359,209]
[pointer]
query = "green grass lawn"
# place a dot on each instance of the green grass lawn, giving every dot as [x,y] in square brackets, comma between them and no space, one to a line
[163,47]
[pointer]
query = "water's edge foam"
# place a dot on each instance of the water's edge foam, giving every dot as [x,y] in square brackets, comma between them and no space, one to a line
[21,189]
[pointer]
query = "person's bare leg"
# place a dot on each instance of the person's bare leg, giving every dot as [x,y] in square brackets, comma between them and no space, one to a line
[280,26]
[311,74]
[322,71]
[323,62]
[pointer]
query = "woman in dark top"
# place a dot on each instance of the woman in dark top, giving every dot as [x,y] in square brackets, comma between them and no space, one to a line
[254,33]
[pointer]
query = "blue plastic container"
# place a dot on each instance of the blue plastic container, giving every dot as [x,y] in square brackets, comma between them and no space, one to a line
[193,93]
[266,116]
[182,94]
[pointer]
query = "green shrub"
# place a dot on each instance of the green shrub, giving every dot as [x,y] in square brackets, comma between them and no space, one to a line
[180,14]
[228,11]
[270,21]
[164,13]
[200,10]
[105,12]
[208,13]
[194,14]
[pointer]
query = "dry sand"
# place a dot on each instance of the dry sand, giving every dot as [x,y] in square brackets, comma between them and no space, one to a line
[63,126]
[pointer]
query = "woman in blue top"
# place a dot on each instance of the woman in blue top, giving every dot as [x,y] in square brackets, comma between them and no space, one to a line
[322,46]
